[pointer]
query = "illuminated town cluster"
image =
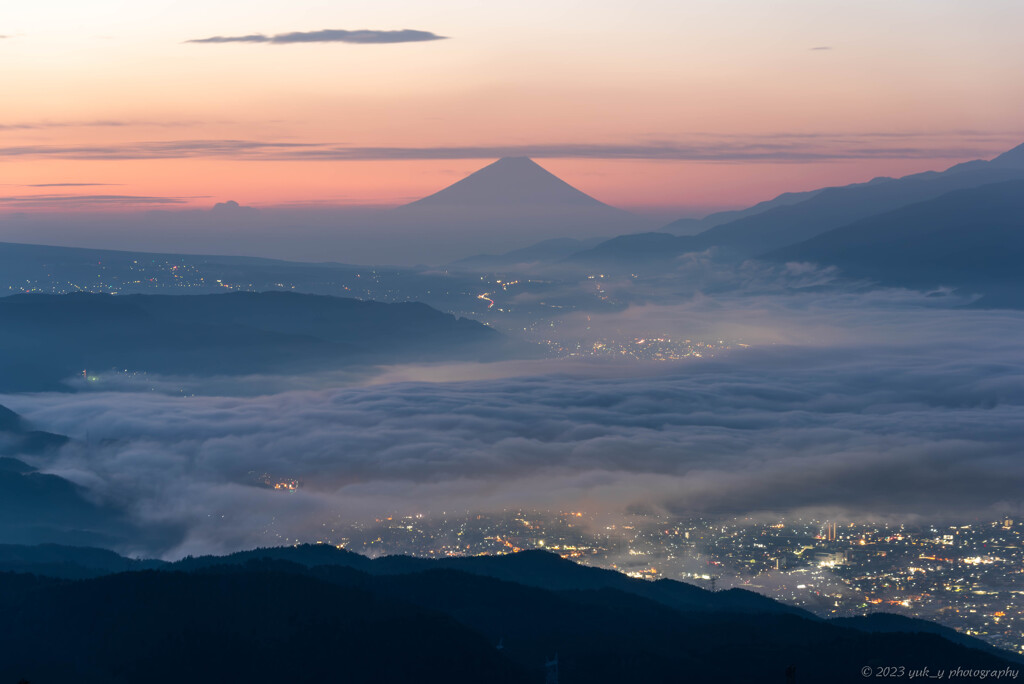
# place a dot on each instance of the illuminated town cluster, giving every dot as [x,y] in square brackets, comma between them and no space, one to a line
[276,482]
[469,535]
[965,576]
[133,276]
[181,274]
[637,348]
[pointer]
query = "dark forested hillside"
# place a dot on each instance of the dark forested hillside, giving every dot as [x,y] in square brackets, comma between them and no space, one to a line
[44,339]
[292,614]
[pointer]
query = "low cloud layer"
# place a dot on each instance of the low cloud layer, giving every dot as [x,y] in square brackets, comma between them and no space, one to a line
[99,123]
[916,412]
[361,37]
[47,201]
[66,185]
[719,150]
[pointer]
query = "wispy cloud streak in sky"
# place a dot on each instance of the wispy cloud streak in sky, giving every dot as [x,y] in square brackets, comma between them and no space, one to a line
[773,151]
[359,37]
[55,200]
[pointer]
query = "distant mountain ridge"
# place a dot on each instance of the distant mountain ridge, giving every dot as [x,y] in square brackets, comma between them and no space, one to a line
[1012,158]
[971,238]
[692,226]
[787,223]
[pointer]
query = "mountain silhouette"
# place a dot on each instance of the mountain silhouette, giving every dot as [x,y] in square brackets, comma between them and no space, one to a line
[782,224]
[516,202]
[1011,158]
[307,614]
[971,239]
[693,226]
[514,181]
[836,207]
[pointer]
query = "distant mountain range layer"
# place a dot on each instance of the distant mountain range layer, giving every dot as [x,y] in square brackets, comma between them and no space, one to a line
[45,339]
[317,614]
[962,228]
[517,193]
[692,226]
[788,225]
[836,207]
[972,238]
[820,226]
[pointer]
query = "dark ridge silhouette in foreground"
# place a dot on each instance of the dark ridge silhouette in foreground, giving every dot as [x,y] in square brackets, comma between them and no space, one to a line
[316,614]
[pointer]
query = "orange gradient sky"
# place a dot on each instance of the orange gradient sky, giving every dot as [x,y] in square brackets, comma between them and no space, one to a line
[681,106]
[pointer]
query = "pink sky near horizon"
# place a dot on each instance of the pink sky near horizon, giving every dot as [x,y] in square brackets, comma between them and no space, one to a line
[110,94]
[661,188]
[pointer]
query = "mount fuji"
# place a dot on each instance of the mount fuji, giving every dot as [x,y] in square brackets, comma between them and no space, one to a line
[510,182]
[517,202]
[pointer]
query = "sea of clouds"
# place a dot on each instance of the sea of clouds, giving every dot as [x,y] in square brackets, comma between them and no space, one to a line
[886,404]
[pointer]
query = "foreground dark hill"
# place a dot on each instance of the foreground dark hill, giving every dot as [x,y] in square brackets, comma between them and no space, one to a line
[969,239]
[236,625]
[783,223]
[291,615]
[533,568]
[44,339]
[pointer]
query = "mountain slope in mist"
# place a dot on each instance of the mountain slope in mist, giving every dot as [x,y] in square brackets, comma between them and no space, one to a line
[17,438]
[39,507]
